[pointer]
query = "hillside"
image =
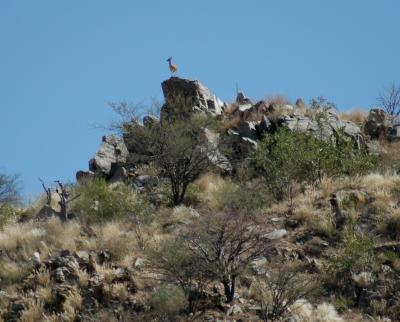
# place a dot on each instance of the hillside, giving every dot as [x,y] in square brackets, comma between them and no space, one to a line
[216,211]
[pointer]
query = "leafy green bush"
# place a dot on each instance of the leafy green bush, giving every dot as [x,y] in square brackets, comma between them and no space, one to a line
[99,202]
[293,157]
[355,256]
[178,265]
[168,300]
[7,212]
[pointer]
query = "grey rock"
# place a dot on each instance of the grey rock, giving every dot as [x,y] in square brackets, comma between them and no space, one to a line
[83,175]
[393,133]
[248,129]
[377,123]
[46,212]
[139,262]
[276,234]
[249,144]
[235,309]
[214,155]
[111,151]
[244,108]
[259,265]
[150,120]
[265,126]
[132,137]
[193,212]
[120,174]
[59,274]
[241,99]
[146,181]
[196,96]
[82,257]
[36,259]
[299,123]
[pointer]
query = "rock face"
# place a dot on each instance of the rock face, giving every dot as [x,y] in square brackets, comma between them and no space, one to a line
[190,94]
[117,158]
[377,124]
[215,156]
[111,152]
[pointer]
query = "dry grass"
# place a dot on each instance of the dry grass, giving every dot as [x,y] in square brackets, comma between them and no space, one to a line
[43,277]
[389,225]
[357,116]
[303,311]
[322,223]
[376,182]
[21,240]
[62,235]
[45,294]
[12,272]
[83,278]
[231,123]
[106,273]
[209,186]
[276,100]
[119,291]
[73,300]
[33,312]
[114,238]
[389,161]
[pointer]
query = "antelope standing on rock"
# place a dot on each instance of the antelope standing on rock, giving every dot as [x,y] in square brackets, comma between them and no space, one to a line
[172,67]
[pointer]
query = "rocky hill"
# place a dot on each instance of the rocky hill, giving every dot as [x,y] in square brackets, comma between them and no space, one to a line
[216,211]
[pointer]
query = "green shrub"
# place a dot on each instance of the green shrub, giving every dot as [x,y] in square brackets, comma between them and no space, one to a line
[293,157]
[7,213]
[355,256]
[99,202]
[168,300]
[179,266]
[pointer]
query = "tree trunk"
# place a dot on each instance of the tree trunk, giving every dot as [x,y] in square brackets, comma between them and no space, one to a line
[229,288]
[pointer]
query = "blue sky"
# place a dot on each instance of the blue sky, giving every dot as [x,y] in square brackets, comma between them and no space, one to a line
[62,61]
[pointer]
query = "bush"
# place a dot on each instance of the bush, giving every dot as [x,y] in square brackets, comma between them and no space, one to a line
[178,265]
[99,202]
[168,300]
[177,145]
[7,213]
[9,189]
[278,290]
[292,157]
[355,256]
[226,243]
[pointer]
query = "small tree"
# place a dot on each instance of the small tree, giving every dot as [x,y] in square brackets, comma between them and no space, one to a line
[286,159]
[181,152]
[178,265]
[227,243]
[283,285]
[177,145]
[9,189]
[389,100]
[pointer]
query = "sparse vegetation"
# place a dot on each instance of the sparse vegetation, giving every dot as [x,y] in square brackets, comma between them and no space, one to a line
[167,236]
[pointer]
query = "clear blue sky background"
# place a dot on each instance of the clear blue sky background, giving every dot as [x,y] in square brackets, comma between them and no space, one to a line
[62,61]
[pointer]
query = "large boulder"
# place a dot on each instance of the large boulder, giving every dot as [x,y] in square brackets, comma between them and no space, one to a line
[186,95]
[214,155]
[377,123]
[112,151]
[265,126]
[241,99]
[248,129]
[150,120]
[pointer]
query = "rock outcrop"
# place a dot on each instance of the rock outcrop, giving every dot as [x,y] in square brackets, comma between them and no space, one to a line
[186,95]
[116,157]
[112,152]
